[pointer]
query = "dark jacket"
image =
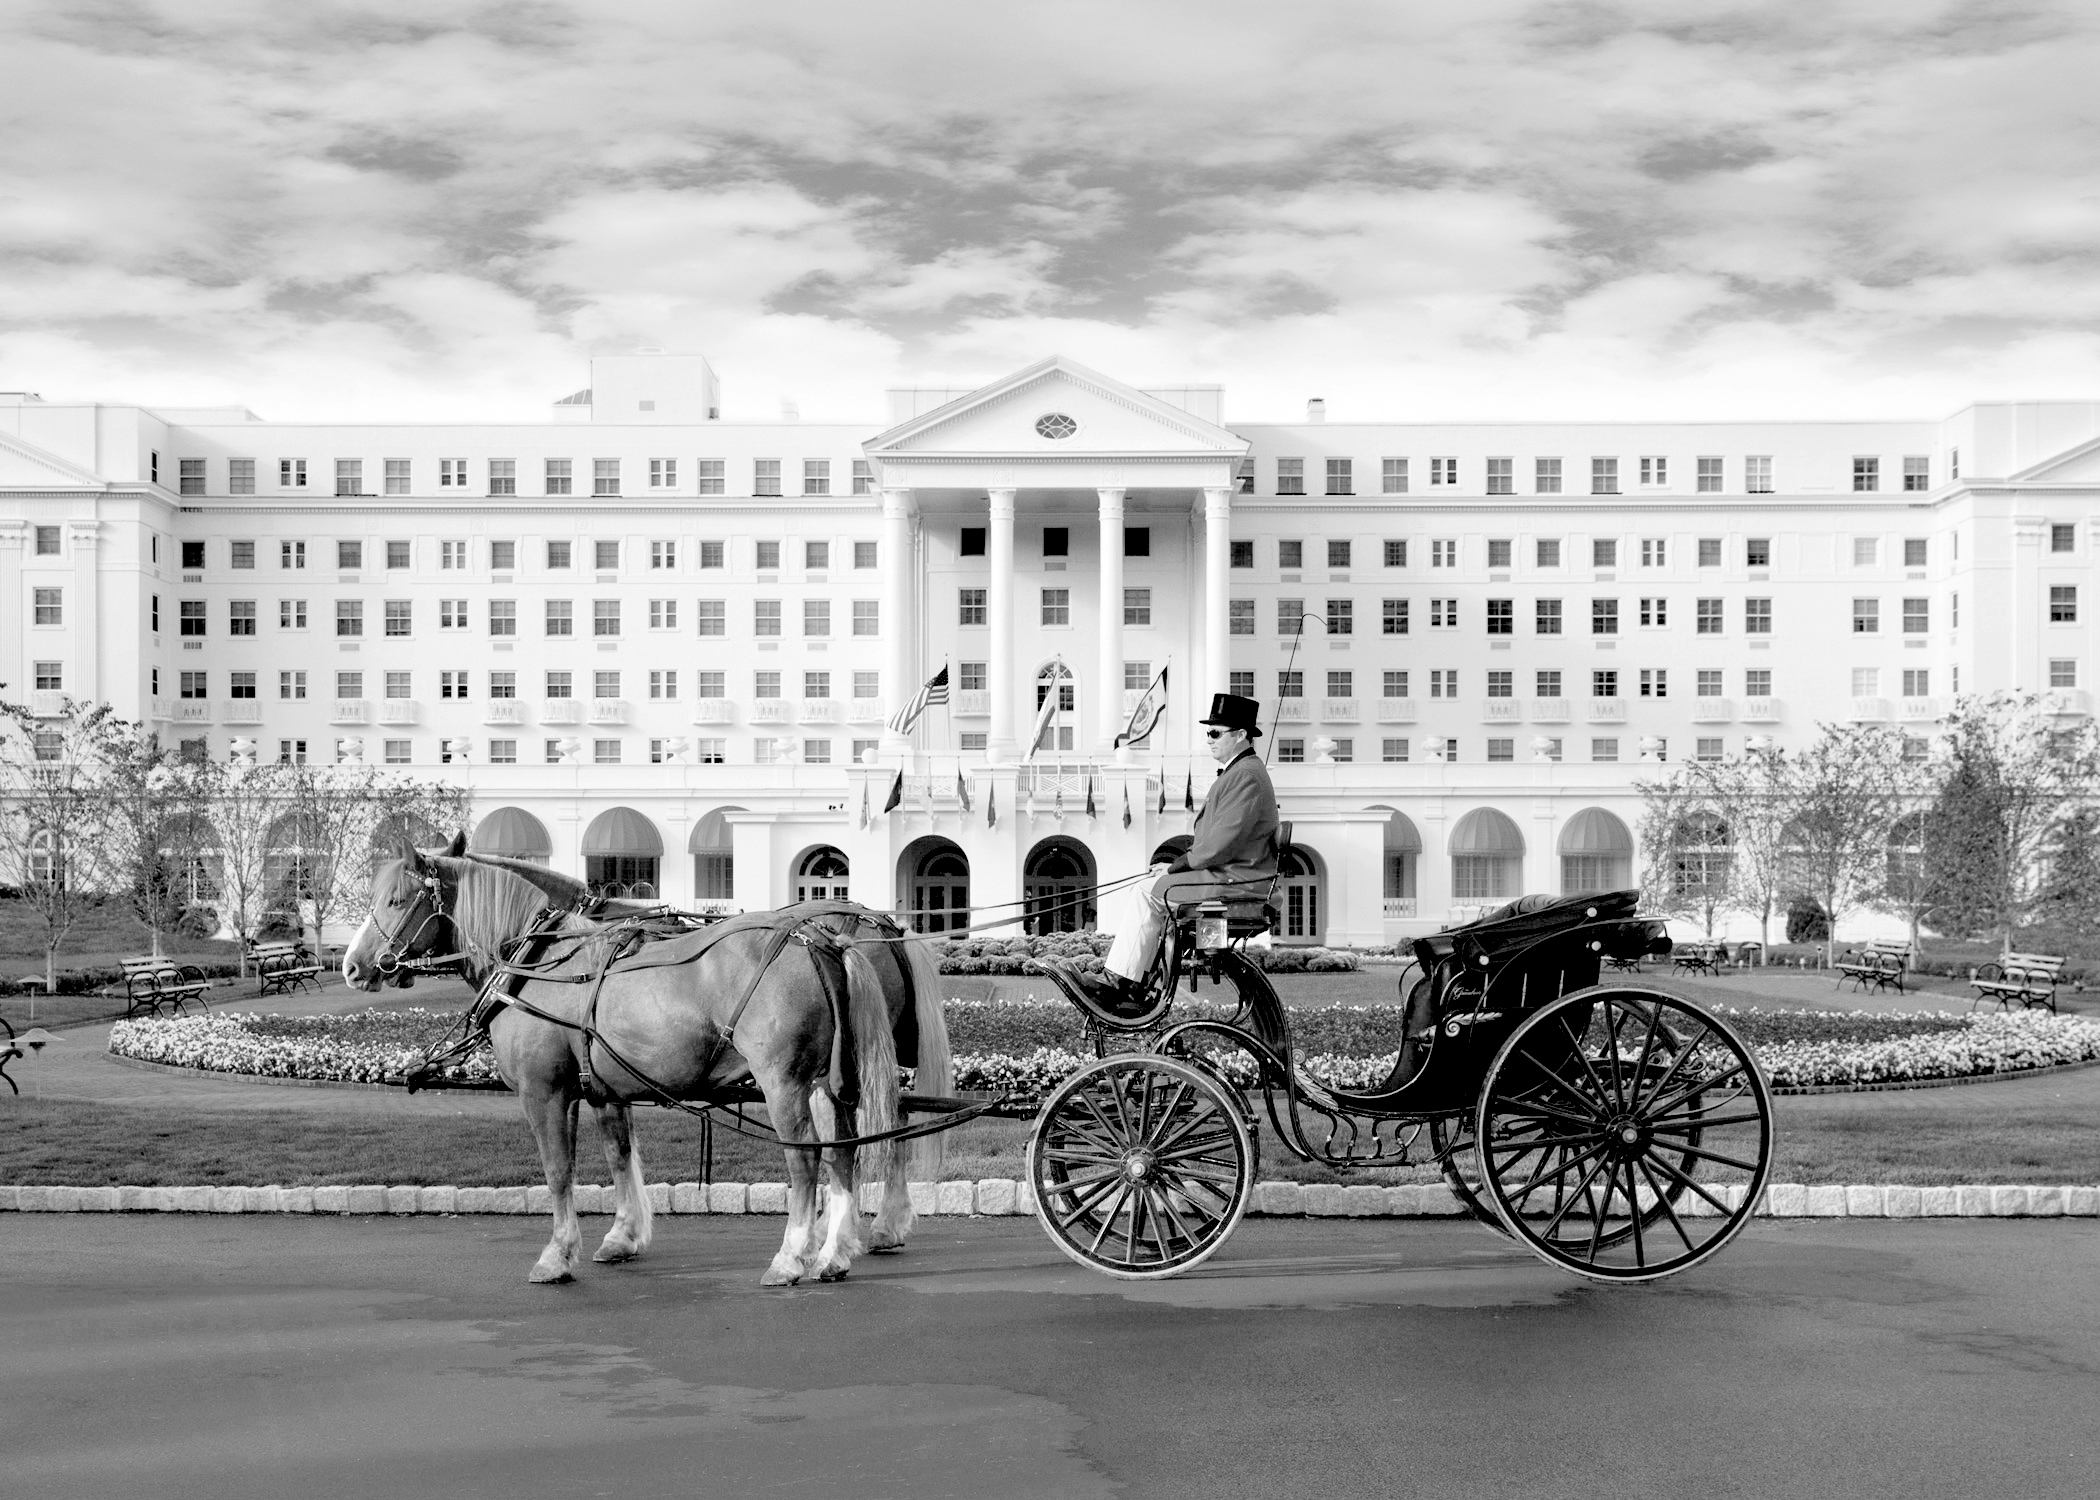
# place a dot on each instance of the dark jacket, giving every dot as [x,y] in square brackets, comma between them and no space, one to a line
[1236,831]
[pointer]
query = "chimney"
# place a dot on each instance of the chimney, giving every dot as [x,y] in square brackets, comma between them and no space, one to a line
[1316,410]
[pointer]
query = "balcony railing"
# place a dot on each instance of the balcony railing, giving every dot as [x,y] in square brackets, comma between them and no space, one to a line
[503,711]
[162,709]
[240,711]
[1399,906]
[560,711]
[1396,710]
[1549,710]
[714,711]
[608,710]
[973,703]
[1050,782]
[46,703]
[1607,711]
[1867,710]
[349,711]
[398,710]
[1760,710]
[1712,710]
[191,711]
[1338,710]
[1293,711]
[866,711]
[1499,711]
[820,710]
[770,711]
[2067,701]
[1918,710]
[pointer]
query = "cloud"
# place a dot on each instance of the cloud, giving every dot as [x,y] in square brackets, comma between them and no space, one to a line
[1508,209]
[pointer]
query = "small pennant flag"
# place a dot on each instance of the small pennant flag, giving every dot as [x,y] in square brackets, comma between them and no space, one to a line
[1057,805]
[991,807]
[1031,799]
[867,819]
[1149,711]
[933,691]
[1090,798]
[1162,792]
[962,791]
[1126,804]
[1188,792]
[896,795]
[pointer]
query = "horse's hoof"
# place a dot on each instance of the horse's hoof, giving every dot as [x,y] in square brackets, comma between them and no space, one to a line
[544,1277]
[832,1273]
[776,1277]
[884,1245]
[607,1255]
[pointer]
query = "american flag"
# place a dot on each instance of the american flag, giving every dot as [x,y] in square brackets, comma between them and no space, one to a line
[933,691]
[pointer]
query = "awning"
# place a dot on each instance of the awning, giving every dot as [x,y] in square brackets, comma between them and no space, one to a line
[1595,831]
[1485,831]
[513,832]
[622,830]
[1401,835]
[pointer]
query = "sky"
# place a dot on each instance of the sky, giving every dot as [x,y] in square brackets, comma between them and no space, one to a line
[1657,209]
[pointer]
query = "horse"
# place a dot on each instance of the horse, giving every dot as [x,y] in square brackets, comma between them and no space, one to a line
[682,1027]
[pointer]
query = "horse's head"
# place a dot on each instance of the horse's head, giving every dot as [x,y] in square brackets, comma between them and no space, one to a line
[410,919]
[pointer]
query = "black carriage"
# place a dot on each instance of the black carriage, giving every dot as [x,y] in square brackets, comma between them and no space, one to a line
[1617,1130]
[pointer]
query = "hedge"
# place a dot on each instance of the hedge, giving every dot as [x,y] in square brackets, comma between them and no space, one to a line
[1013,955]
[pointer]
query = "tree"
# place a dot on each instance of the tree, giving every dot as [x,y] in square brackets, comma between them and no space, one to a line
[154,825]
[2015,774]
[335,819]
[1687,858]
[52,814]
[2071,899]
[245,804]
[1844,790]
[1739,864]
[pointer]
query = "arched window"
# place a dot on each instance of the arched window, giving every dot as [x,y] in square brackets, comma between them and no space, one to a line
[47,859]
[1401,855]
[1171,849]
[622,853]
[1299,891]
[714,857]
[940,890]
[1487,857]
[1596,853]
[822,875]
[1705,850]
[1060,732]
[1058,884]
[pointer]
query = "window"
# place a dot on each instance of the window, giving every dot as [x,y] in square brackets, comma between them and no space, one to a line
[1604,476]
[1137,675]
[349,617]
[503,476]
[553,751]
[1137,606]
[1501,476]
[1866,473]
[50,677]
[1443,472]
[816,476]
[2063,604]
[1917,681]
[605,684]
[240,617]
[816,557]
[1393,476]
[50,606]
[765,617]
[1654,552]
[1502,684]
[712,474]
[1341,476]
[503,684]
[605,617]
[765,684]
[1757,552]
[605,752]
[291,614]
[1341,617]
[193,685]
[1242,554]
[1393,684]
[291,554]
[1344,751]
[1240,683]
[1655,683]
[397,685]
[1290,684]
[766,556]
[1338,553]
[561,617]
[1604,750]
[397,476]
[1443,553]
[1757,617]
[1239,616]
[1290,616]
[291,473]
[1546,476]
[1290,476]
[765,476]
[663,556]
[240,476]
[1709,481]
[1290,555]
[1655,613]
[503,556]
[1499,552]
[349,476]
[1604,683]
[193,554]
[973,542]
[1866,682]
[1393,752]
[867,617]
[2063,538]
[970,607]
[1443,614]
[452,684]
[1501,749]
[816,752]
[1290,752]
[559,476]
[712,554]
[1501,616]
[1866,551]
[291,752]
[1245,476]
[2062,674]
[816,617]
[710,684]
[663,685]
[503,617]
[1394,613]
[561,685]
[663,473]
[398,617]
[397,554]
[1757,682]
[503,752]
[1707,616]
[1057,607]
[292,686]
[1707,683]
[1604,552]
[1396,553]
[1546,617]
[1866,616]
[1443,683]
[452,473]
[1655,470]
[1917,473]
[1057,541]
[1546,684]
[1604,617]
[1706,749]
[864,481]
[349,684]
[1917,615]
[864,554]
[152,616]
[1757,474]
[712,616]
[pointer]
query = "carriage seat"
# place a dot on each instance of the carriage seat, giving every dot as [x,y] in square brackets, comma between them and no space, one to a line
[1253,911]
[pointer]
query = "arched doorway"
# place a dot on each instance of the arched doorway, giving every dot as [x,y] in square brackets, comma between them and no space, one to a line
[936,874]
[622,855]
[1487,857]
[714,857]
[513,833]
[1060,735]
[822,875]
[1298,894]
[1057,881]
[1172,849]
[1402,857]
[1596,853]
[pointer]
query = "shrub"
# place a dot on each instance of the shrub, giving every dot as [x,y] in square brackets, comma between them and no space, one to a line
[1806,921]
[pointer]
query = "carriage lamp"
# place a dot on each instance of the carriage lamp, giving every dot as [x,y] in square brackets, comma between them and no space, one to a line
[1210,926]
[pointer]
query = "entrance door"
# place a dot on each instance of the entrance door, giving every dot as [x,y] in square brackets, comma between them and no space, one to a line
[940,892]
[1058,884]
[822,876]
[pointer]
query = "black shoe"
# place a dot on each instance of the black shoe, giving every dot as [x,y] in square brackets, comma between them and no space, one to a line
[1111,995]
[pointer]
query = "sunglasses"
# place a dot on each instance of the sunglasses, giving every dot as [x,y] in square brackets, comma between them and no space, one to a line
[1218,734]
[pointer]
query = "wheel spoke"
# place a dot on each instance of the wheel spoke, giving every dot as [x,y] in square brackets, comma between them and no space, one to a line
[1569,1162]
[1091,1196]
[1664,1199]
[1611,1052]
[1705,1155]
[1693,1090]
[1562,1211]
[1567,1027]
[1685,1054]
[1108,1219]
[1694,1187]
[1532,1109]
[1194,1146]
[1703,1122]
[1199,1114]
[1633,1207]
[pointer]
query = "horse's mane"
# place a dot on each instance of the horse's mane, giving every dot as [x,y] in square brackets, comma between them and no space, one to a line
[560,889]
[491,905]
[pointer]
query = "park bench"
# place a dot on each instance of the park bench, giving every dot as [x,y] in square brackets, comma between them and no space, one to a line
[1699,958]
[280,968]
[157,986]
[1880,963]
[2029,978]
[9,1051]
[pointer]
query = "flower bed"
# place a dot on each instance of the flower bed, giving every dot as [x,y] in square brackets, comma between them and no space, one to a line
[1031,1045]
[1015,955]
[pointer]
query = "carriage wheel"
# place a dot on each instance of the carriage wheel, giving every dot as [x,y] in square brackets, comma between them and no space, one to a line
[1451,1138]
[1623,1134]
[1142,1165]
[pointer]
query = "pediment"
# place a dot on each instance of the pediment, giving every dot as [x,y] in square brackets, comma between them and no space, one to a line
[1008,417]
[2079,465]
[24,465]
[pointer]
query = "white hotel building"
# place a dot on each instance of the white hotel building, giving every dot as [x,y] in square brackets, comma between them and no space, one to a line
[659,647]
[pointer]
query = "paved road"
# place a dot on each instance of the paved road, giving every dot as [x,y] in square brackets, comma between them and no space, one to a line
[150,1357]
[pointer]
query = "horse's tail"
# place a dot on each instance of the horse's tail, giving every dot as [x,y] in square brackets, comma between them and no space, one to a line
[936,1073]
[638,1193]
[876,1051]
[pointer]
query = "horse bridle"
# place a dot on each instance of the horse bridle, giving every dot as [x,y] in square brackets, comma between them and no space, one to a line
[391,959]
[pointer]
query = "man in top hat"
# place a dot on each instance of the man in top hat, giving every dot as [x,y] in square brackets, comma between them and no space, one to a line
[1232,856]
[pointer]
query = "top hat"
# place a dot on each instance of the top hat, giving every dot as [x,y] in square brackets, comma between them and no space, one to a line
[1230,711]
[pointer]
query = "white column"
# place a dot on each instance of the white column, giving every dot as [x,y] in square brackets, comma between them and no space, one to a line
[85,680]
[1217,574]
[999,671]
[1109,720]
[899,615]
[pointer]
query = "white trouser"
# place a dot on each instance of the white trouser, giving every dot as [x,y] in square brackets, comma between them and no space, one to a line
[1137,943]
